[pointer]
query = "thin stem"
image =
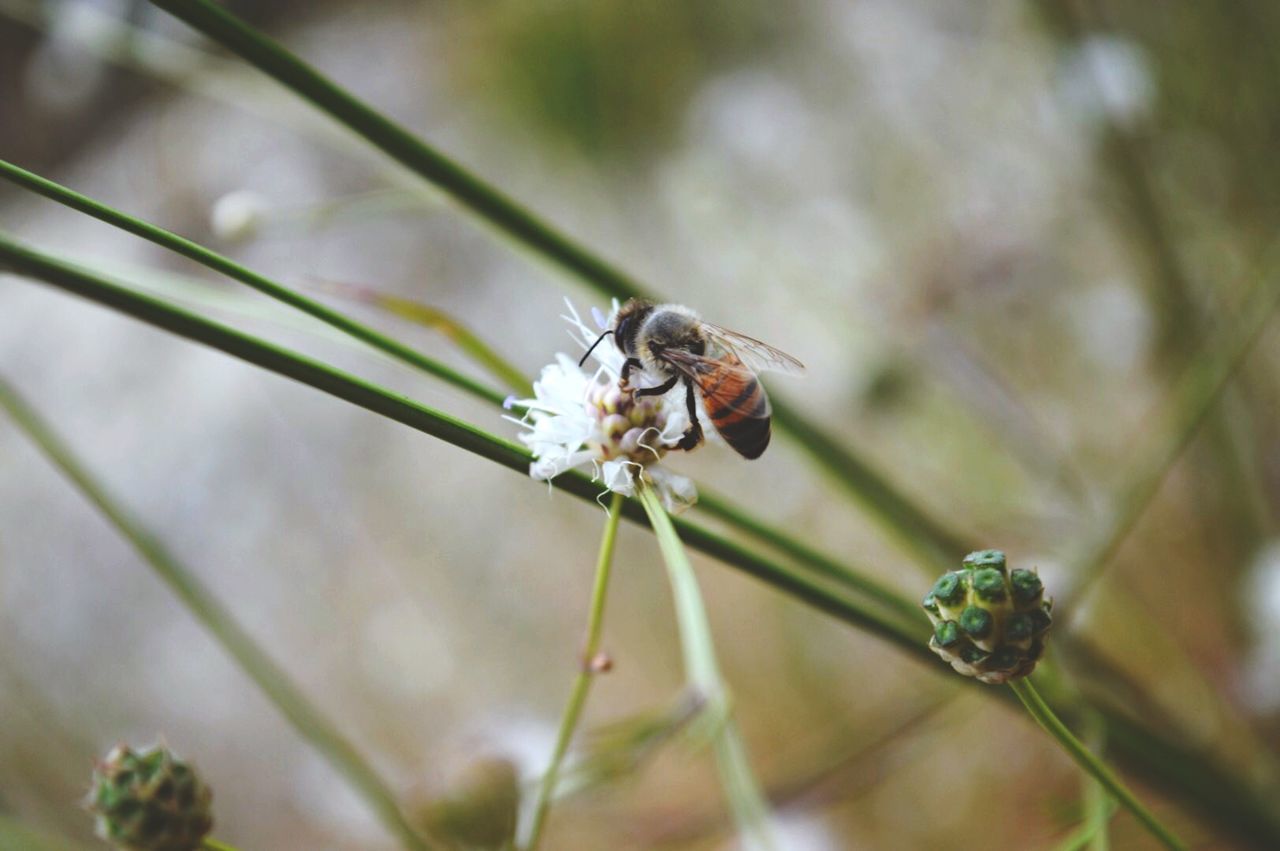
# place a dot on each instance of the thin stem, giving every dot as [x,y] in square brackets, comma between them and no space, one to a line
[274,682]
[1040,710]
[112,40]
[926,537]
[467,341]
[1098,805]
[1234,805]
[1193,398]
[231,269]
[18,836]
[746,800]
[1089,832]
[588,668]
[823,565]
[934,546]
[209,844]
[398,143]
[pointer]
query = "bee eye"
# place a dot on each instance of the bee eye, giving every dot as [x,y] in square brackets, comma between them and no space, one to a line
[620,334]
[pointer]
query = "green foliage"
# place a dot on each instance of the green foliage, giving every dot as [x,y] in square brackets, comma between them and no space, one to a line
[605,79]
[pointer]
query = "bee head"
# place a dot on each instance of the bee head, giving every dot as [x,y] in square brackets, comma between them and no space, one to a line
[621,332]
[627,324]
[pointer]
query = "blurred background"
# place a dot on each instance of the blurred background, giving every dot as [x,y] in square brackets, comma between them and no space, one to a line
[997,233]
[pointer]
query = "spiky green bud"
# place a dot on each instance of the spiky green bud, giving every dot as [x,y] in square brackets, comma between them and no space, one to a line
[149,800]
[985,559]
[989,622]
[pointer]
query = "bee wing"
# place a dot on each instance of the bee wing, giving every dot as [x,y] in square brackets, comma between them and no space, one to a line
[759,356]
[726,383]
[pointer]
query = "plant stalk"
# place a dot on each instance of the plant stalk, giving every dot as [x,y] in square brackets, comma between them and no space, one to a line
[589,667]
[1047,719]
[214,845]
[746,800]
[235,271]
[274,682]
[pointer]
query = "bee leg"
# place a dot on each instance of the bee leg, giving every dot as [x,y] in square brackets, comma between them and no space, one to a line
[693,436]
[628,365]
[658,390]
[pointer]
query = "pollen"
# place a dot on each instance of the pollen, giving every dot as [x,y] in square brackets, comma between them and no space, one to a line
[629,426]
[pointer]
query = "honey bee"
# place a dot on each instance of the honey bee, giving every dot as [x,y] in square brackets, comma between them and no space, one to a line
[673,342]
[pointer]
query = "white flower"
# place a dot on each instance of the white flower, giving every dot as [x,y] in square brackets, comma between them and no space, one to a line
[238,215]
[578,419]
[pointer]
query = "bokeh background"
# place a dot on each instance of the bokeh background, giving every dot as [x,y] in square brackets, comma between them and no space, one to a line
[996,232]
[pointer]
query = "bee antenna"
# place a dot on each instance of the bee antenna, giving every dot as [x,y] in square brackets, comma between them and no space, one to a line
[593,347]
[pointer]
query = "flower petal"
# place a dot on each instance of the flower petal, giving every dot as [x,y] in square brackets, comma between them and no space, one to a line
[676,492]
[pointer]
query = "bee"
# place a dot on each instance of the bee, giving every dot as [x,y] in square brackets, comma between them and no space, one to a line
[672,342]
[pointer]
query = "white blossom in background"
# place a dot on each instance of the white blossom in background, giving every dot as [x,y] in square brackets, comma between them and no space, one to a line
[1262,608]
[1108,78]
[803,831]
[237,215]
[581,419]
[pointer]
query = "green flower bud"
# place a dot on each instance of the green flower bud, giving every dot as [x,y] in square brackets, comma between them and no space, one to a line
[988,583]
[149,801]
[976,622]
[480,811]
[985,558]
[1027,587]
[947,633]
[989,622]
[948,590]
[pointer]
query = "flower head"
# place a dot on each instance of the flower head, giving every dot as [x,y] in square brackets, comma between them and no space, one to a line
[989,622]
[149,800]
[580,419]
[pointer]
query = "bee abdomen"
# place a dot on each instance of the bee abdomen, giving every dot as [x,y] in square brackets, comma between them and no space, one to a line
[744,422]
[749,438]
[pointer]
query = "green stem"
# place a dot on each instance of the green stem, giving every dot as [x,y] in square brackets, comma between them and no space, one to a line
[1098,805]
[818,562]
[398,143]
[467,341]
[1040,710]
[231,269]
[1234,805]
[923,535]
[586,673]
[934,546]
[214,845]
[746,800]
[18,836]
[1194,397]
[274,682]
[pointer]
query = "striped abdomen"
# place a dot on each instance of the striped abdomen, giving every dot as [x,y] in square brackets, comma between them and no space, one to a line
[738,407]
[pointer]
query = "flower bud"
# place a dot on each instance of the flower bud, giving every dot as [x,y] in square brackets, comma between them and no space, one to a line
[480,811]
[149,801]
[238,215]
[989,622]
